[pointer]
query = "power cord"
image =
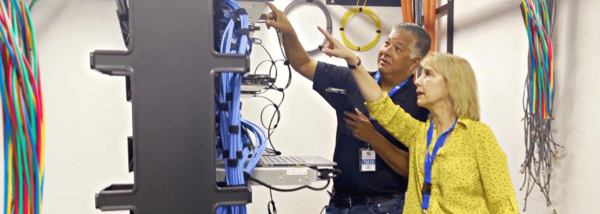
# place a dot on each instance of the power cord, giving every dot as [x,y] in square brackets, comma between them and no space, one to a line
[276,116]
[323,174]
[273,71]
[271,203]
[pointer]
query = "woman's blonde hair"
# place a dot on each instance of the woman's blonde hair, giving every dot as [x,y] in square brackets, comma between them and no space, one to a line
[461,81]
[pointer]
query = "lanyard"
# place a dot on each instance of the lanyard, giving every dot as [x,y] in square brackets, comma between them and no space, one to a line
[429,161]
[395,89]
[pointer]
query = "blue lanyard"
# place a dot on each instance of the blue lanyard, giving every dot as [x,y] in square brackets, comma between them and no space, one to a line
[395,89]
[429,161]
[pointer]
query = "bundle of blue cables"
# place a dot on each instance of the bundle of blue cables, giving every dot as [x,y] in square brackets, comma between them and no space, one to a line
[233,137]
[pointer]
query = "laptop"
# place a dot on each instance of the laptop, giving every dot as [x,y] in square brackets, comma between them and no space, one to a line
[291,161]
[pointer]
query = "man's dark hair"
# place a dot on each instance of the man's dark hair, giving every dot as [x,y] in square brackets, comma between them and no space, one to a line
[422,43]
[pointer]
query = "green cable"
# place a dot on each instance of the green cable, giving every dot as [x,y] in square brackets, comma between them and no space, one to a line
[32,3]
[543,37]
[28,86]
[20,147]
[31,95]
[35,73]
[547,37]
[19,156]
[21,136]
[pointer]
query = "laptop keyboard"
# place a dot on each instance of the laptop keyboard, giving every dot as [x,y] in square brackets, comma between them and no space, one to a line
[280,161]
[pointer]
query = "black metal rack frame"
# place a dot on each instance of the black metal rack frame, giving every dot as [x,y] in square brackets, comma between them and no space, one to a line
[170,63]
[448,9]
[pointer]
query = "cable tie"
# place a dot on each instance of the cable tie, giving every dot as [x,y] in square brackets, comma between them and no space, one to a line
[341,29]
[223,106]
[220,144]
[123,17]
[226,153]
[229,96]
[378,31]
[245,32]
[286,63]
[239,155]
[240,12]
[247,176]
[233,162]
[360,9]
[234,129]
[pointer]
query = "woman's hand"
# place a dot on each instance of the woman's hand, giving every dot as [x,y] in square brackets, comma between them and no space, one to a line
[335,48]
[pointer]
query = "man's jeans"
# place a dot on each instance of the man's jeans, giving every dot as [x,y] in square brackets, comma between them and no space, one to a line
[392,206]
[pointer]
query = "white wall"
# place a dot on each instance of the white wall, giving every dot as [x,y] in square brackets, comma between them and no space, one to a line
[88,119]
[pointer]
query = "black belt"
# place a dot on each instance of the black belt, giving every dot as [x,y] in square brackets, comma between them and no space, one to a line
[347,201]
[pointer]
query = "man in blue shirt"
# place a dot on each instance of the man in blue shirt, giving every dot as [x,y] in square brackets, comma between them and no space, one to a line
[373,163]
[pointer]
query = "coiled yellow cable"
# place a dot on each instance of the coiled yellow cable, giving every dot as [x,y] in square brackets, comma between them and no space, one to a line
[351,13]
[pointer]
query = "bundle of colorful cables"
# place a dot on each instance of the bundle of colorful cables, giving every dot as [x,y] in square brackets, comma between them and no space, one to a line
[23,112]
[233,139]
[538,16]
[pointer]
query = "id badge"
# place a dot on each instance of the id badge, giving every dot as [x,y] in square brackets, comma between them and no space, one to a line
[367,160]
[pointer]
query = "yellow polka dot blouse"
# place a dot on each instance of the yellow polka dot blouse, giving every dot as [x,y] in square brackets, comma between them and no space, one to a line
[469,174]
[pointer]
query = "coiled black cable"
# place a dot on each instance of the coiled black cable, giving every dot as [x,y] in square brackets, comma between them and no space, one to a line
[323,7]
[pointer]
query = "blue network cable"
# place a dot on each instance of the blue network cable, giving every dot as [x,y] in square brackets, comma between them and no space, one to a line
[232,130]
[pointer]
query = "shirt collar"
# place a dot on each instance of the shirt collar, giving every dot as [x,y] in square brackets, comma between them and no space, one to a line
[465,121]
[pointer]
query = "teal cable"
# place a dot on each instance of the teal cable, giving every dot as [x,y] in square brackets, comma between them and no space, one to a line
[31,4]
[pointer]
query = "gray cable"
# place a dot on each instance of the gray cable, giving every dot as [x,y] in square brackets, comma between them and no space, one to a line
[323,7]
[540,147]
[418,6]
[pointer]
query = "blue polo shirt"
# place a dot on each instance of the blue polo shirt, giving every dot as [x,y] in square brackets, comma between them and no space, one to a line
[346,154]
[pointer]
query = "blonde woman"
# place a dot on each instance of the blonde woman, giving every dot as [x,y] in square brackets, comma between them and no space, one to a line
[455,163]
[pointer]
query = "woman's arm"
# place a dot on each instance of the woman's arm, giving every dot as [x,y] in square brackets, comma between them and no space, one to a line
[395,120]
[493,168]
[367,85]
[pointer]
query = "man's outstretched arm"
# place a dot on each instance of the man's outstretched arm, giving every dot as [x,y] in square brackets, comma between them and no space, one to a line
[296,55]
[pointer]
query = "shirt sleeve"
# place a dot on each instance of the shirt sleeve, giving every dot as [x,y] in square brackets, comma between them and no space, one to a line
[329,75]
[395,120]
[493,168]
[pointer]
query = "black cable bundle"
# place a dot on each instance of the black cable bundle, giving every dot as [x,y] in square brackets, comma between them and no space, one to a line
[273,72]
[123,14]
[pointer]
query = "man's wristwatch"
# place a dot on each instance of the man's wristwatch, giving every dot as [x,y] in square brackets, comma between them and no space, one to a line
[355,66]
